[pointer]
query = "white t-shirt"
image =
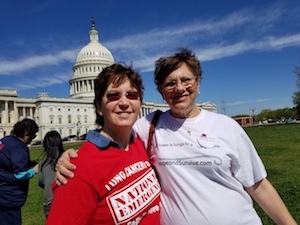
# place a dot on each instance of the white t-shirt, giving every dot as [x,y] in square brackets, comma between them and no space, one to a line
[203,163]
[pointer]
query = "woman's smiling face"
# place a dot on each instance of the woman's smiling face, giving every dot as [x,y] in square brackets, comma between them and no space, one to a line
[120,106]
[180,89]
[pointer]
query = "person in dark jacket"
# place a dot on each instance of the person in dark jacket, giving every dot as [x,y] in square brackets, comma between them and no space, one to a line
[15,171]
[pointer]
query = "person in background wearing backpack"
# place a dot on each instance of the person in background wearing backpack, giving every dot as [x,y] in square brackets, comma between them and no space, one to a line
[53,148]
[15,171]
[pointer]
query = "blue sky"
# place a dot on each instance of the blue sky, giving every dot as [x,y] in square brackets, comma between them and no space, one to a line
[248,49]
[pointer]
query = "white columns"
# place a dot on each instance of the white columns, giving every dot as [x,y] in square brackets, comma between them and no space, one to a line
[6,115]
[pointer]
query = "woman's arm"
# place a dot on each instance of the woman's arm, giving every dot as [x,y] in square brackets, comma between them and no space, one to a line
[269,200]
[64,167]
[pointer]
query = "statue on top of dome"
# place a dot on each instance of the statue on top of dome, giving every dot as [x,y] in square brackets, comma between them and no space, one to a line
[93,22]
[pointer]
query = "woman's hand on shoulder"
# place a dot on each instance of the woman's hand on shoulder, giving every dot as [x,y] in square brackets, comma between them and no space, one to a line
[64,167]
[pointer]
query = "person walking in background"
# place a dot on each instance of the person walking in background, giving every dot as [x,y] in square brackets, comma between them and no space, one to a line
[15,171]
[53,148]
[207,165]
[114,182]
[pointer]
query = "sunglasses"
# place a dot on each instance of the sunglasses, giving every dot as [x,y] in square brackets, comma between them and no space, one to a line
[131,95]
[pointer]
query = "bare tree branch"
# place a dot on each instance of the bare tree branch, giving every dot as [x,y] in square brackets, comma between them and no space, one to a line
[297,73]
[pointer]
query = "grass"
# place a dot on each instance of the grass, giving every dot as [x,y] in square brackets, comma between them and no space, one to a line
[279,148]
[277,145]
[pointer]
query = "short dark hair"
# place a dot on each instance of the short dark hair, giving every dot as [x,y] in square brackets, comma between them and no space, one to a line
[25,127]
[115,74]
[166,65]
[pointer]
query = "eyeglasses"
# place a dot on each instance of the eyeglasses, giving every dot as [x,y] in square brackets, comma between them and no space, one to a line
[131,95]
[186,82]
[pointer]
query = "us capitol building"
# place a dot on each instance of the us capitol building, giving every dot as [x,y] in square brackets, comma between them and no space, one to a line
[74,115]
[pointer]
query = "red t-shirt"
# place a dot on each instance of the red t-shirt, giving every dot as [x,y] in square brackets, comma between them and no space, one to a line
[110,186]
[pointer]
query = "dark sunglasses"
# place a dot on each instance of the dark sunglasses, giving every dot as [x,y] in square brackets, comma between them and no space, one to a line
[131,95]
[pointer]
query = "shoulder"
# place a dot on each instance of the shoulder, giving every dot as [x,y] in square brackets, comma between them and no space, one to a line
[13,144]
[217,116]
[88,157]
[87,148]
[89,153]
[145,119]
[220,120]
[143,123]
[11,140]
[149,117]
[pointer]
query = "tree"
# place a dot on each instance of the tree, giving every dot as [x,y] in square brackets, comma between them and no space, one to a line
[264,115]
[296,96]
[297,73]
[278,114]
[224,106]
[296,101]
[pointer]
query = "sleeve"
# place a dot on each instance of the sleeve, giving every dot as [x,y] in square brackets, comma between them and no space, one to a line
[25,175]
[251,168]
[74,203]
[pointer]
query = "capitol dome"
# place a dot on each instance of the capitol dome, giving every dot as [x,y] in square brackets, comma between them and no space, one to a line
[90,61]
[94,50]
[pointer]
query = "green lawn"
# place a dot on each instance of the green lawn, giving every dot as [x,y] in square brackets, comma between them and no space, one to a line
[278,146]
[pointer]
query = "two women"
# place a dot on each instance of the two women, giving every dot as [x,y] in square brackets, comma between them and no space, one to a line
[207,165]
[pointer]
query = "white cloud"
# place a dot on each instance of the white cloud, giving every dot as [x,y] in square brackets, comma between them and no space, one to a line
[47,81]
[31,62]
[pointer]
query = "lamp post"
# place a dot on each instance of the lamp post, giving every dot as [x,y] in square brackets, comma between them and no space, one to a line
[253,110]
[78,129]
